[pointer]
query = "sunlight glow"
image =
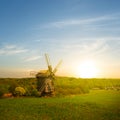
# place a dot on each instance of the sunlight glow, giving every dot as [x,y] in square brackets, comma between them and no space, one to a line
[87,69]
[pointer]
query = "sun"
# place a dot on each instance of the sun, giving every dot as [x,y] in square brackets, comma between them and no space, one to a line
[87,69]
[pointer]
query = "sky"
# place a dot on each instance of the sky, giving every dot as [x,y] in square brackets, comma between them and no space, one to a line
[72,30]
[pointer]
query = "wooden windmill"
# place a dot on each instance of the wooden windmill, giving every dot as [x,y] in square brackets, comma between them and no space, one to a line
[45,84]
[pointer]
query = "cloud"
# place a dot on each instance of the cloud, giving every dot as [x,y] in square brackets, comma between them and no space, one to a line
[98,48]
[93,46]
[87,47]
[87,21]
[32,58]
[10,46]
[11,50]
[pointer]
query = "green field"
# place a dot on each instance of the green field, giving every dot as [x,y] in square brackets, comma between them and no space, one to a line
[96,105]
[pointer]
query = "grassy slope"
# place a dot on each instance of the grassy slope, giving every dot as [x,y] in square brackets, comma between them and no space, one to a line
[97,105]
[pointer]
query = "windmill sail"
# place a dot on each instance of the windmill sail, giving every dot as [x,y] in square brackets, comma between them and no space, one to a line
[48,63]
[55,69]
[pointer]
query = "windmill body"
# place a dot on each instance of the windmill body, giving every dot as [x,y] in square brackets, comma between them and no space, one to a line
[45,83]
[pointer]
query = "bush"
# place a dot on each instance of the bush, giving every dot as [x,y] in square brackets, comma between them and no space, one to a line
[35,92]
[28,91]
[13,85]
[19,91]
[3,90]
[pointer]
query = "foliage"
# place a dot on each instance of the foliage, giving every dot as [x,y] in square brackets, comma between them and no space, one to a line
[63,85]
[3,89]
[67,86]
[35,92]
[19,91]
[13,85]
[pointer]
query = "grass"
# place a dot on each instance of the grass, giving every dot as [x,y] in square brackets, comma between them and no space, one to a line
[97,105]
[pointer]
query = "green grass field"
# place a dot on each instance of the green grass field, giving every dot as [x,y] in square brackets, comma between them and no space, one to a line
[96,105]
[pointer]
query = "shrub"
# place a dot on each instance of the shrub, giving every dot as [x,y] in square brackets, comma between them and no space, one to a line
[28,91]
[19,91]
[35,92]
[3,90]
[13,85]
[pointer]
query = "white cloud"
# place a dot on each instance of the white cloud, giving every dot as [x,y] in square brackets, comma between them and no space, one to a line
[11,50]
[94,47]
[87,47]
[10,46]
[70,22]
[32,58]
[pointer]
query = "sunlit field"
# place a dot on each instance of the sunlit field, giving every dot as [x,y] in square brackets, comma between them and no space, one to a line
[97,105]
[75,98]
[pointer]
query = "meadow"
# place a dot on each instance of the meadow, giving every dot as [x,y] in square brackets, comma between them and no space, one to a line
[97,105]
[75,99]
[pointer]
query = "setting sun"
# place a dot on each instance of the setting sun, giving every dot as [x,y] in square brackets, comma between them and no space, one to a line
[87,69]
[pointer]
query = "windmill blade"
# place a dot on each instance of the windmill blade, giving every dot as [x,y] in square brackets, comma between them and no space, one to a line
[48,63]
[47,59]
[55,69]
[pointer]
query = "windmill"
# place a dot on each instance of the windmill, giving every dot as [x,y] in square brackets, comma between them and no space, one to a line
[45,84]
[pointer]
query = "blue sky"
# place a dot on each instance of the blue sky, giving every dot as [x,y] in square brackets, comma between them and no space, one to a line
[71,30]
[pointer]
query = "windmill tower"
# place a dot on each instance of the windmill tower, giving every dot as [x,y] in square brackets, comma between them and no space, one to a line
[45,84]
